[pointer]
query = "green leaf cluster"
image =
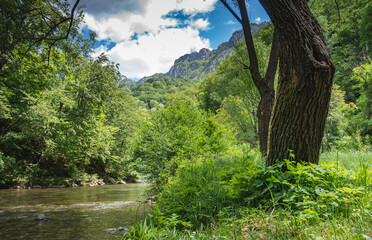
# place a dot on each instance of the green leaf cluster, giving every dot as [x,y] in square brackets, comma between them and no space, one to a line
[311,192]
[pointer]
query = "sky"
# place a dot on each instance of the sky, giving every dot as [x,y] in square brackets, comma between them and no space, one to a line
[146,36]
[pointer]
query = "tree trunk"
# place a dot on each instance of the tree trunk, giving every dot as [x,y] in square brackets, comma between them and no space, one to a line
[264,110]
[267,93]
[305,82]
[265,85]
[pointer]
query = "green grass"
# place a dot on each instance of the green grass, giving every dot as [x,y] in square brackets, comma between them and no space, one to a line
[237,198]
[351,160]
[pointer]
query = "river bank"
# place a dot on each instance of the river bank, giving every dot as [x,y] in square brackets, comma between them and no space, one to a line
[73,184]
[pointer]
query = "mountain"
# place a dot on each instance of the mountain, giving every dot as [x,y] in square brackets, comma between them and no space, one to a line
[128,83]
[196,65]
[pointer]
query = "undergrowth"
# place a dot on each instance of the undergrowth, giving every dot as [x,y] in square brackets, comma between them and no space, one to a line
[239,198]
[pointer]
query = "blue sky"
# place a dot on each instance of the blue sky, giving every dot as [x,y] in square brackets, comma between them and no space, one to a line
[146,36]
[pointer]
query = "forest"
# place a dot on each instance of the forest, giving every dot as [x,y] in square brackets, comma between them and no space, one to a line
[68,118]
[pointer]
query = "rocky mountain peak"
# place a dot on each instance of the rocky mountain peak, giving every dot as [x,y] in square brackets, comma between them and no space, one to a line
[198,64]
[203,54]
[236,36]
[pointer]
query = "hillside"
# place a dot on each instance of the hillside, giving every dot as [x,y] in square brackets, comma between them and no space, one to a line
[153,91]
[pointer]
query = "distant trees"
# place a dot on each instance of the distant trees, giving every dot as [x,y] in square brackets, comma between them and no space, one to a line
[231,93]
[177,134]
[153,91]
[348,32]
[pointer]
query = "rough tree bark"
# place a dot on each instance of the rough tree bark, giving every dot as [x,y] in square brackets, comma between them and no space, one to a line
[305,81]
[265,85]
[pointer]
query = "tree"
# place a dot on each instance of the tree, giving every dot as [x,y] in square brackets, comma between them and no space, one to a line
[363,118]
[305,80]
[175,134]
[230,91]
[348,32]
[33,22]
[264,84]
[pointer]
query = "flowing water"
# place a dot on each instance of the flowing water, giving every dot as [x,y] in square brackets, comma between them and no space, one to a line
[71,213]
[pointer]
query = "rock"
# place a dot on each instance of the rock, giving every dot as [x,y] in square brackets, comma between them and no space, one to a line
[74,185]
[121,229]
[121,182]
[40,217]
[93,184]
[1,212]
[153,198]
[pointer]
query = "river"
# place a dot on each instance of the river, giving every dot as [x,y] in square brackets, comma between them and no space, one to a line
[71,213]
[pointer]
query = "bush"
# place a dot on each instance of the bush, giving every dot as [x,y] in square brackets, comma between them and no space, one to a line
[308,191]
[201,191]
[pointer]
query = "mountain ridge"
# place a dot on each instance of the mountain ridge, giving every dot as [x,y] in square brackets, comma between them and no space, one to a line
[196,65]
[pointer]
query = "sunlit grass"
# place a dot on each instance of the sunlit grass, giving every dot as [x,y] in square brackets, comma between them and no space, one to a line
[352,160]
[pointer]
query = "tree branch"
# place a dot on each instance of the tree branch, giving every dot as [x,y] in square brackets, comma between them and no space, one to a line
[71,18]
[274,58]
[253,62]
[231,11]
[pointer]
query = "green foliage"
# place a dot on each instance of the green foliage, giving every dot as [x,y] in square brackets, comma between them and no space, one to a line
[266,34]
[338,132]
[65,118]
[347,29]
[150,230]
[347,33]
[237,197]
[231,92]
[349,125]
[153,92]
[176,133]
[202,191]
[230,79]
[310,191]
[31,24]
[363,117]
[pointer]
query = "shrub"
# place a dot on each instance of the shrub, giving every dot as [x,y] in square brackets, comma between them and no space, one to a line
[201,191]
[307,190]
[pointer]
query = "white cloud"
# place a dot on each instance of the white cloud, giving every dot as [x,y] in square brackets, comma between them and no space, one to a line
[98,51]
[160,39]
[257,20]
[154,53]
[230,22]
[122,26]
[200,23]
